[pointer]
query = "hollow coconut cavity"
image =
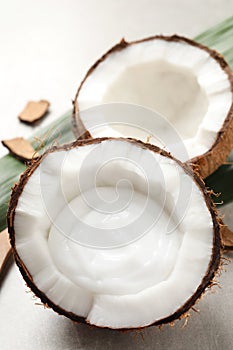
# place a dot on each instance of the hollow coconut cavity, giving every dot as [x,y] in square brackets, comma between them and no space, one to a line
[187,83]
[114,232]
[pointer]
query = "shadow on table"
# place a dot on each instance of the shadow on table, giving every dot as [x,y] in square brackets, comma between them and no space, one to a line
[203,331]
[209,329]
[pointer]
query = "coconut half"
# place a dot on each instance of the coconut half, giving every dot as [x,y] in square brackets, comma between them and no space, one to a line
[187,83]
[114,232]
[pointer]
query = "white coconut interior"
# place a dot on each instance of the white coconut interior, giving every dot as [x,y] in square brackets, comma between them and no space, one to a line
[180,81]
[124,250]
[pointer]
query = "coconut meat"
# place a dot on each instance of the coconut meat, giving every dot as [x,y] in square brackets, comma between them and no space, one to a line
[123,248]
[180,81]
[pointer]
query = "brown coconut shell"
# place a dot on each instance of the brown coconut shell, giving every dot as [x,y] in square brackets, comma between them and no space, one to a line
[207,280]
[208,162]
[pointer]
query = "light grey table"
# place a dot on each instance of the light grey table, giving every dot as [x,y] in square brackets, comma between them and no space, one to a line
[45,49]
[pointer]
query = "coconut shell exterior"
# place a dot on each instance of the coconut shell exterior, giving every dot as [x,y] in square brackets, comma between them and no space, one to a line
[208,162]
[214,263]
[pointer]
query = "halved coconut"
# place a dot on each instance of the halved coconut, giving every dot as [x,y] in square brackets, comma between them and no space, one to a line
[114,232]
[186,82]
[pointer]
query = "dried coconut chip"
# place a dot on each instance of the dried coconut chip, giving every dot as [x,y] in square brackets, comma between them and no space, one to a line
[5,251]
[20,148]
[227,237]
[34,111]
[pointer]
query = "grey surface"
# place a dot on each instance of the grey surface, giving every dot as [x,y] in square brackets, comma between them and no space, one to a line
[45,49]
[26,325]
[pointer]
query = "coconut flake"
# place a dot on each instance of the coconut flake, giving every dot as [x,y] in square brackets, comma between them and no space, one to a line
[20,148]
[5,249]
[34,111]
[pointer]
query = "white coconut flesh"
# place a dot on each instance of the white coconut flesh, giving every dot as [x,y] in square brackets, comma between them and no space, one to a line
[124,250]
[182,82]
